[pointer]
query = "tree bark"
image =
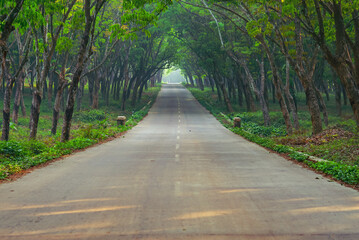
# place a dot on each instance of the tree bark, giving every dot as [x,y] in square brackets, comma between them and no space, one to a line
[341,60]
[6,111]
[225,96]
[7,29]
[96,89]
[57,105]
[337,91]
[18,97]
[277,82]
[291,102]
[35,113]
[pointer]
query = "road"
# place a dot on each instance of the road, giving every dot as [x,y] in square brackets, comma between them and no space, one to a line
[179,174]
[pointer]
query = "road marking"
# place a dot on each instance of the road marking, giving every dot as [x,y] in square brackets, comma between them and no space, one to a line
[177,146]
[179,120]
[178,137]
[179,131]
[177,158]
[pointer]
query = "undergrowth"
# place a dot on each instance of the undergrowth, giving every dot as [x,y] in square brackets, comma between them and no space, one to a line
[342,152]
[90,126]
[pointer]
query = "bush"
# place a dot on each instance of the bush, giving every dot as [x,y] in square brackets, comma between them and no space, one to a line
[12,149]
[90,116]
[34,147]
[73,144]
[300,157]
[340,171]
[270,131]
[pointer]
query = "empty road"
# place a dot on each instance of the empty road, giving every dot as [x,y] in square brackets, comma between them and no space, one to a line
[177,175]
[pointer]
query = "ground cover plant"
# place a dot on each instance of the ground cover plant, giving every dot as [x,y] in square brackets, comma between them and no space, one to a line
[89,127]
[338,143]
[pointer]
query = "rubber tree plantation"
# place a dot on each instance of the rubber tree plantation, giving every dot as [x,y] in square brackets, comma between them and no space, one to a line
[288,69]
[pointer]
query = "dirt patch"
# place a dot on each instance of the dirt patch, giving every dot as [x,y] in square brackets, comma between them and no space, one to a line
[319,139]
[329,135]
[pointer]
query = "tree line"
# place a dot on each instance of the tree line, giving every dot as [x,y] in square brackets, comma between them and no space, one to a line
[58,47]
[244,50]
[249,49]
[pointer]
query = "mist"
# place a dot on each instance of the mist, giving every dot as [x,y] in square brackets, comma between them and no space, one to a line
[174,77]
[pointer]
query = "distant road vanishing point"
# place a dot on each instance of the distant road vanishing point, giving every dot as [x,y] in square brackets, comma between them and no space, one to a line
[179,174]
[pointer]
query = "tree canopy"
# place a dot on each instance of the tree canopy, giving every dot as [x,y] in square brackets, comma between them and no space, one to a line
[243,50]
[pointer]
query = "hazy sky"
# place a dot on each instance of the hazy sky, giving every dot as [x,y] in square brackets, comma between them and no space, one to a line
[174,77]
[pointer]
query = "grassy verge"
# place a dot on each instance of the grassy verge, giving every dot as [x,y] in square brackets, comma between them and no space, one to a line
[338,143]
[89,127]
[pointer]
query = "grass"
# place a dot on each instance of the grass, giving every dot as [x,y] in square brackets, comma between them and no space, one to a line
[89,126]
[339,142]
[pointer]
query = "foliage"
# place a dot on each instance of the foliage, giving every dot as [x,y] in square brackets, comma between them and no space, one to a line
[90,116]
[343,152]
[340,171]
[12,149]
[91,127]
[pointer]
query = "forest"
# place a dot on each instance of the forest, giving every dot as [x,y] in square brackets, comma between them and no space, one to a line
[290,65]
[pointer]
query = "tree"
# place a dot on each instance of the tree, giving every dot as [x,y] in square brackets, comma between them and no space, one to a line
[8,17]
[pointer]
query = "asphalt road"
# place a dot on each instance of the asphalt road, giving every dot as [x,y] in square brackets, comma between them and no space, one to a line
[177,175]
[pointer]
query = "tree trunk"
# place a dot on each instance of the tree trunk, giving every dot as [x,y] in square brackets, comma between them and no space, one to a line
[7,28]
[291,103]
[50,90]
[322,106]
[124,90]
[247,93]
[6,111]
[218,91]
[17,102]
[22,104]
[313,107]
[96,89]
[225,96]
[337,90]
[191,79]
[90,21]
[239,91]
[342,61]
[57,104]
[261,96]
[35,113]
[135,92]
[277,82]
[80,94]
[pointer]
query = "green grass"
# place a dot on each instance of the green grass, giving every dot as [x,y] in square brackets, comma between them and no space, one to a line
[342,152]
[89,126]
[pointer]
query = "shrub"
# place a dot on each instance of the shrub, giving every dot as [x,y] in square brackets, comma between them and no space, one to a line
[270,131]
[90,116]
[12,149]
[34,147]
[73,144]
[340,171]
[300,157]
